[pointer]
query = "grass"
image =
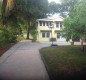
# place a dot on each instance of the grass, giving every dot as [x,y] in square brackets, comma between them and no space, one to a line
[65,62]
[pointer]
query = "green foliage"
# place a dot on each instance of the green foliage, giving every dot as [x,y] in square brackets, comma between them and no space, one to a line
[6,37]
[33,30]
[75,24]
[29,10]
[64,8]
[10,21]
[20,37]
[54,7]
[3,8]
[68,5]
[0,8]
[2,39]
[34,33]
[70,32]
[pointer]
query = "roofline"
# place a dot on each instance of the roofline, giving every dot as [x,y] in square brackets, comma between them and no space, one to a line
[50,19]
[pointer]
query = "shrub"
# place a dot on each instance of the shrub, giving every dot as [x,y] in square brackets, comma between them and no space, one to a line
[2,38]
[20,37]
[34,33]
[12,38]
[6,37]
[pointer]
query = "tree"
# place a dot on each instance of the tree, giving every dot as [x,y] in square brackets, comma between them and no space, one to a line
[64,8]
[34,31]
[33,10]
[69,29]
[9,20]
[54,7]
[68,5]
[29,10]
[75,24]
[0,7]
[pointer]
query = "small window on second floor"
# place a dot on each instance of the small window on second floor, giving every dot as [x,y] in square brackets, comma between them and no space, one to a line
[40,23]
[50,23]
[47,23]
[57,24]
[43,23]
[60,25]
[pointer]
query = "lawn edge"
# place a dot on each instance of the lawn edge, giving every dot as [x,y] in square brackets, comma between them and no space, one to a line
[45,64]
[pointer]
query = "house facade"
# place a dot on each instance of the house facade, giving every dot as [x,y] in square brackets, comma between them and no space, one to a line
[50,28]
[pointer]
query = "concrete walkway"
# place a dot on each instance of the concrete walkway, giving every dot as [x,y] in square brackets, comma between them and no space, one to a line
[23,62]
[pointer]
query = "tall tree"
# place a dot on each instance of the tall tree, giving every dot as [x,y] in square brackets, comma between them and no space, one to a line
[7,6]
[54,7]
[64,8]
[9,17]
[33,10]
[68,5]
[75,24]
[30,10]
[0,7]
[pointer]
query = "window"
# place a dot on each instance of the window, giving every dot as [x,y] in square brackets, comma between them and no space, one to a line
[57,24]
[45,34]
[40,23]
[58,35]
[60,25]
[50,24]
[47,23]
[43,23]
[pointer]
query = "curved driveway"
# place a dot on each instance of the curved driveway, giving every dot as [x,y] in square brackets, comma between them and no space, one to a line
[23,62]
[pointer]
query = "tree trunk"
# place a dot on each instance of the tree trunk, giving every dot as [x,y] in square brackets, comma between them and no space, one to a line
[28,30]
[83,49]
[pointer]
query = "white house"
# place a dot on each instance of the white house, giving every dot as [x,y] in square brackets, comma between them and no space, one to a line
[50,28]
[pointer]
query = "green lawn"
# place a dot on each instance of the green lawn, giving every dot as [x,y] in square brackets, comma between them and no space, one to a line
[65,62]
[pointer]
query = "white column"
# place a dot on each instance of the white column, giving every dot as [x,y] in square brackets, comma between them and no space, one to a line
[45,23]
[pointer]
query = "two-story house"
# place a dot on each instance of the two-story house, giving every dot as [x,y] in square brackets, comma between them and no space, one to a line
[50,28]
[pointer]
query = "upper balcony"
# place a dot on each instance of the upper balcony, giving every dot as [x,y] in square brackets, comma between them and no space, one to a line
[57,25]
[47,23]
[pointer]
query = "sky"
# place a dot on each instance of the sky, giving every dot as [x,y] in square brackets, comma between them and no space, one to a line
[57,1]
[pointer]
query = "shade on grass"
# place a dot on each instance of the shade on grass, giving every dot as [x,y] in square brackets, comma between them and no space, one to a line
[65,62]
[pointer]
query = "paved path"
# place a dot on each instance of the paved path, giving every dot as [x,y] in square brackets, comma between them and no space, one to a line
[23,62]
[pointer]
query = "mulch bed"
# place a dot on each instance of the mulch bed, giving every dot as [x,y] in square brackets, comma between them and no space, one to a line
[5,48]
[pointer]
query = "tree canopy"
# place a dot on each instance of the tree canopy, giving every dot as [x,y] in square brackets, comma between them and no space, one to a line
[75,24]
[29,10]
[54,7]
